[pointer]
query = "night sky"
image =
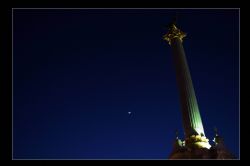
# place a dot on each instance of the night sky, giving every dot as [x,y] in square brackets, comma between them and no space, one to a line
[77,74]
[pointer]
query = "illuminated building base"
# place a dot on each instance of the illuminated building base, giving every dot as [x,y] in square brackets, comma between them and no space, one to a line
[198,147]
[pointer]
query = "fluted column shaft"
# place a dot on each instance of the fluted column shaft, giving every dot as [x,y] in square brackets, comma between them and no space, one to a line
[190,112]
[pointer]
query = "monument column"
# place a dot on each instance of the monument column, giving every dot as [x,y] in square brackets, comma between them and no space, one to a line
[193,128]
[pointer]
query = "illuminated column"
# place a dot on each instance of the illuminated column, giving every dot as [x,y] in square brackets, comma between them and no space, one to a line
[193,128]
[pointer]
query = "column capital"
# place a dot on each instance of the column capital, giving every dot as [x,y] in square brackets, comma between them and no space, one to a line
[174,32]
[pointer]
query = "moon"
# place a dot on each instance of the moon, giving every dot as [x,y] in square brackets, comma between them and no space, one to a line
[129,113]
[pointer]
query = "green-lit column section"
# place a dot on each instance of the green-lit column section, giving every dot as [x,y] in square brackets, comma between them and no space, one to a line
[194,132]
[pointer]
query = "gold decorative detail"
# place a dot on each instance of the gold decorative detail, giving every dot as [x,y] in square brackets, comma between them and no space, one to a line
[197,141]
[174,32]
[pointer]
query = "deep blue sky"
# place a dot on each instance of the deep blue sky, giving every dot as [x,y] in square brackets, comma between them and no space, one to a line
[77,74]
